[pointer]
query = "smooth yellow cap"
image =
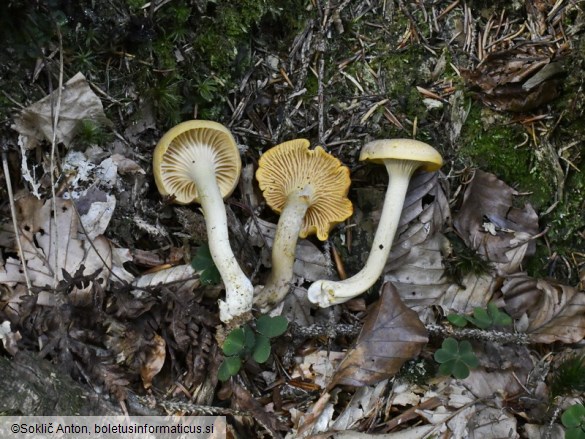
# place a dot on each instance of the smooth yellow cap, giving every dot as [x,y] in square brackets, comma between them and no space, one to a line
[379,151]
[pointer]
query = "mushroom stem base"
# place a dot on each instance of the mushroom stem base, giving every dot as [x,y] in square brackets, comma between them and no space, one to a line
[326,292]
[284,249]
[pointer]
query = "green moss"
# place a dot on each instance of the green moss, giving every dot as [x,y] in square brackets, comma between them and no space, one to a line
[418,371]
[135,5]
[495,147]
[501,149]
[568,219]
[90,132]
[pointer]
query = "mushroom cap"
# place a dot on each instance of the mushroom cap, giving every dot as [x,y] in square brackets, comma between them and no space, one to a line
[291,167]
[378,151]
[187,143]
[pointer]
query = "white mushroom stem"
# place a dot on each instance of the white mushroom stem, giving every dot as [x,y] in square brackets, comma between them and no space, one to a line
[283,249]
[238,288]
[326,292]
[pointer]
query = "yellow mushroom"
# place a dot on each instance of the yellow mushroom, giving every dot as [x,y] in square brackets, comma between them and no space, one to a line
[402,157]
[198,162]
[308,188]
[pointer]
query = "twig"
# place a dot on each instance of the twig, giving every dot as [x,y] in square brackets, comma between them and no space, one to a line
[15,221]
[479,334]
[53,147]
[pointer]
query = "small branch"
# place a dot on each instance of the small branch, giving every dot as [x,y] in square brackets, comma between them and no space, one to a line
[15,221]
[330,331]
[479,334]
[341,329]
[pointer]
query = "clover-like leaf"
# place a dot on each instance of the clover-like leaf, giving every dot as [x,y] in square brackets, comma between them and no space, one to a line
[457,320]
[574,416]
[456,358]
[486,318]
[249,339]
[271,326]
[228,368]
[480,318]
[261,349]
[202,262]
[499,317]
[235,342]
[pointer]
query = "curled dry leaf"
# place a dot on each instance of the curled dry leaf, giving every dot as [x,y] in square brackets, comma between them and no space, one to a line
[126,165]
[555,312]
[242,399]
[153,361]
[517,79]
[184,276]
[392,334]
[9,338]
[489,223]
[78,102]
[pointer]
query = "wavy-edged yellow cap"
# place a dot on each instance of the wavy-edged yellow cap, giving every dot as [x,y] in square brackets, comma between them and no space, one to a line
[187,143]
[378,151]
[292,167]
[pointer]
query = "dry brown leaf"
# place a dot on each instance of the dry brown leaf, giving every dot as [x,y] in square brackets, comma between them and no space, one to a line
[154,361]
[555,312]
[518,79]
[392,334]
[52,246]
[52,249]
[126,165]
[9,338]
[184,276]
[415,265]
[489,223]
[318,367]
[420,278]
[491,422]
[242,399]
[363,402]
[474,291]
[78,102]
[425,211]
[484,383]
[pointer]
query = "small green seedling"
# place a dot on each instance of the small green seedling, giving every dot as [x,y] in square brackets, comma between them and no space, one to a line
[456,358]
[203,263]
[574,421]
[482,318]
[245,342]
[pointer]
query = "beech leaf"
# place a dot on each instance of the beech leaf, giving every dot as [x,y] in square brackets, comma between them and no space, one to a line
[391,335]
[555,312]
[489,223]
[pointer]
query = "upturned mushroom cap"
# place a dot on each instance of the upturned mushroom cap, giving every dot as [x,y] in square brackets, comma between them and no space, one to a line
[186,143]
[291,167]
[378,151]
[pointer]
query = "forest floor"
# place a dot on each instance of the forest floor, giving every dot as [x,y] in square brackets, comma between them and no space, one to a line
[476,329]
